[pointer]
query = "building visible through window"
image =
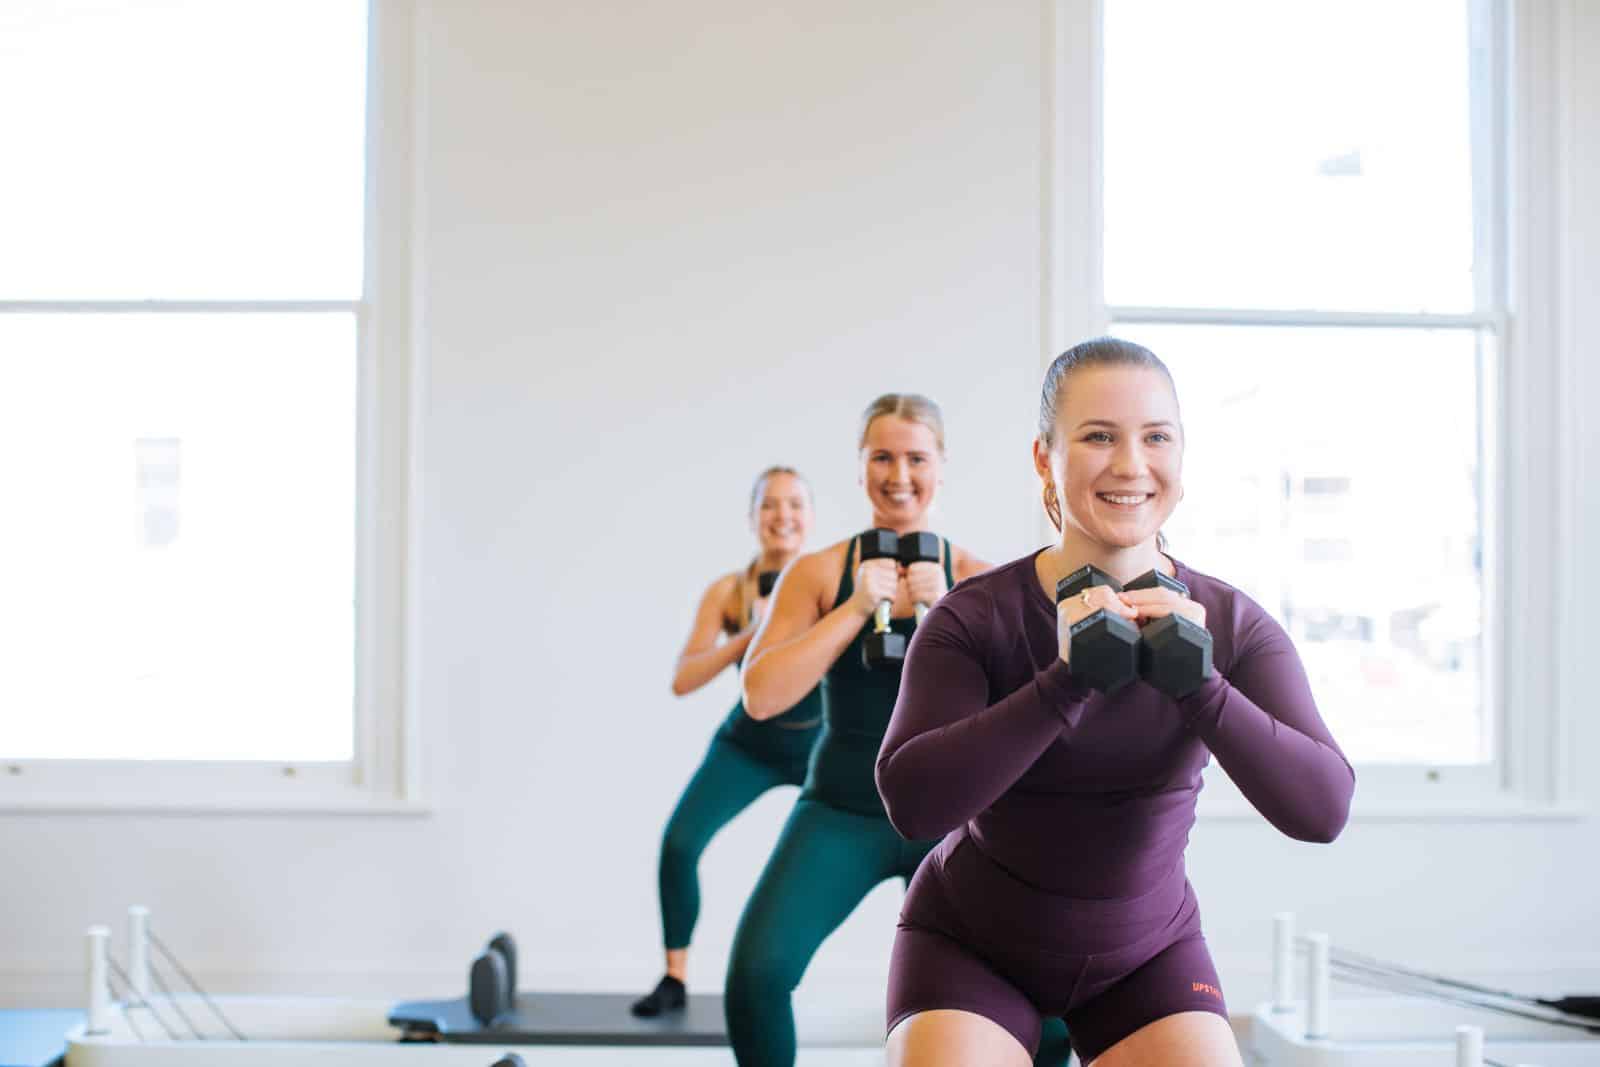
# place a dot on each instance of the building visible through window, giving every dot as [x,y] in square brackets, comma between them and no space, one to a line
[159,475]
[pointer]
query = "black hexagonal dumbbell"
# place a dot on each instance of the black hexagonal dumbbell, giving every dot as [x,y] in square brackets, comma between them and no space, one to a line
[1174,652]
[883,649]
[1104,649]
[919,547]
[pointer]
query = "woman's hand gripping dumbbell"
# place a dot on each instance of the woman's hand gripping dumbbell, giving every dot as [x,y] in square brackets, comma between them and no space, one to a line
[1149,629]
[920,556]
[1174,644]
[1099,633]
[877,581]
[884,553]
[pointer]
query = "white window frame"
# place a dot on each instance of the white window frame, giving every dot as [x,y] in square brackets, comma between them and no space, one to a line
[1532,669]
[384,775]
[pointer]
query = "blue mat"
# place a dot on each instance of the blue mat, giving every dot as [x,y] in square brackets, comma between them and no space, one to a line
[35,1038]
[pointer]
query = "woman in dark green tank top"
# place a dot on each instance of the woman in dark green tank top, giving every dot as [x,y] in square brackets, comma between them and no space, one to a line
[745,758]
[838,844]
[857,702]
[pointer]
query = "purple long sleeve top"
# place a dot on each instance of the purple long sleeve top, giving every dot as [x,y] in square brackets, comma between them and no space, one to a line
[1088,795]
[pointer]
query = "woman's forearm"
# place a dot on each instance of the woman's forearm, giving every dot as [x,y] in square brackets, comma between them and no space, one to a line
[946,757]
[697,668]
[780,676]
[1302,783]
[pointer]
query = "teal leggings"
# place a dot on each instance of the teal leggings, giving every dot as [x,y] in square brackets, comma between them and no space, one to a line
[727,781]
[826,860]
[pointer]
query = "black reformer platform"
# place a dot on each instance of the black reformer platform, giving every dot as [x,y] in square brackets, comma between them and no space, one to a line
[493,1013]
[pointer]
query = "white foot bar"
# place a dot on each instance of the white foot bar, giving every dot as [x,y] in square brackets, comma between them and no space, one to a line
[1469,1046]
[1318,986]
[1283,961]
[139,952]
[97,941]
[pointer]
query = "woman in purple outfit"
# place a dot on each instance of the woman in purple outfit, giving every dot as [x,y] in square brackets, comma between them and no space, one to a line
[1059,889]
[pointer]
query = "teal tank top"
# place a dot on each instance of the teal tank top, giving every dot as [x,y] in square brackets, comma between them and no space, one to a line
[856,705]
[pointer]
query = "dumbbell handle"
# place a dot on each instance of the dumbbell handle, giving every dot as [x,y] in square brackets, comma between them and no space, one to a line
[880,615]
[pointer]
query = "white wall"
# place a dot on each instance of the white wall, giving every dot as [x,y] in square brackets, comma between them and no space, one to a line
[660,253]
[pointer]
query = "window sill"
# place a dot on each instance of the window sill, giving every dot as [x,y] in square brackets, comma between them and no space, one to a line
[148,787]
[110,804]
[1420,793]
[1234,808]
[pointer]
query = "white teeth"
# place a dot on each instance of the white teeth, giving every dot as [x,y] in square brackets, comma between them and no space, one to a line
[1123,499]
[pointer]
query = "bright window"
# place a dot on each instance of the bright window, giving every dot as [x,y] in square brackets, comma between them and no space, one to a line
[179,563]
[182,149]
[181,319]
[1300,207]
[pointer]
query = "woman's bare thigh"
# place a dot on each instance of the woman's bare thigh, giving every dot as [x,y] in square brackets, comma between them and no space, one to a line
[949,1038]
[1187,1039]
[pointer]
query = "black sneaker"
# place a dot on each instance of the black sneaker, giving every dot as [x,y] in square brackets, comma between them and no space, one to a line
[668,995]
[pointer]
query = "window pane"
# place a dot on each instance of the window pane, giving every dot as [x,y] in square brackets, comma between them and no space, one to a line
[1306,155]
[1334,476]
[172,149]
[178,554]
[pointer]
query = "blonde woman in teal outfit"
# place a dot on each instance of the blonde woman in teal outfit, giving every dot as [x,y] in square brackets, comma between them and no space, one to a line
[838,843]
[746,758]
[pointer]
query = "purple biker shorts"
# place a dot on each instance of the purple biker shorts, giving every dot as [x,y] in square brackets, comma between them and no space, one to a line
[972,937]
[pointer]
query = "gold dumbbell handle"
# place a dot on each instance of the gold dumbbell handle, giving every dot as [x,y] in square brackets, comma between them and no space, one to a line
[880,615]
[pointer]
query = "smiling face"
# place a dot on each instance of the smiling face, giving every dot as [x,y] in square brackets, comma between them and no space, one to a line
[1115,456]
[781,516]
[901,468]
